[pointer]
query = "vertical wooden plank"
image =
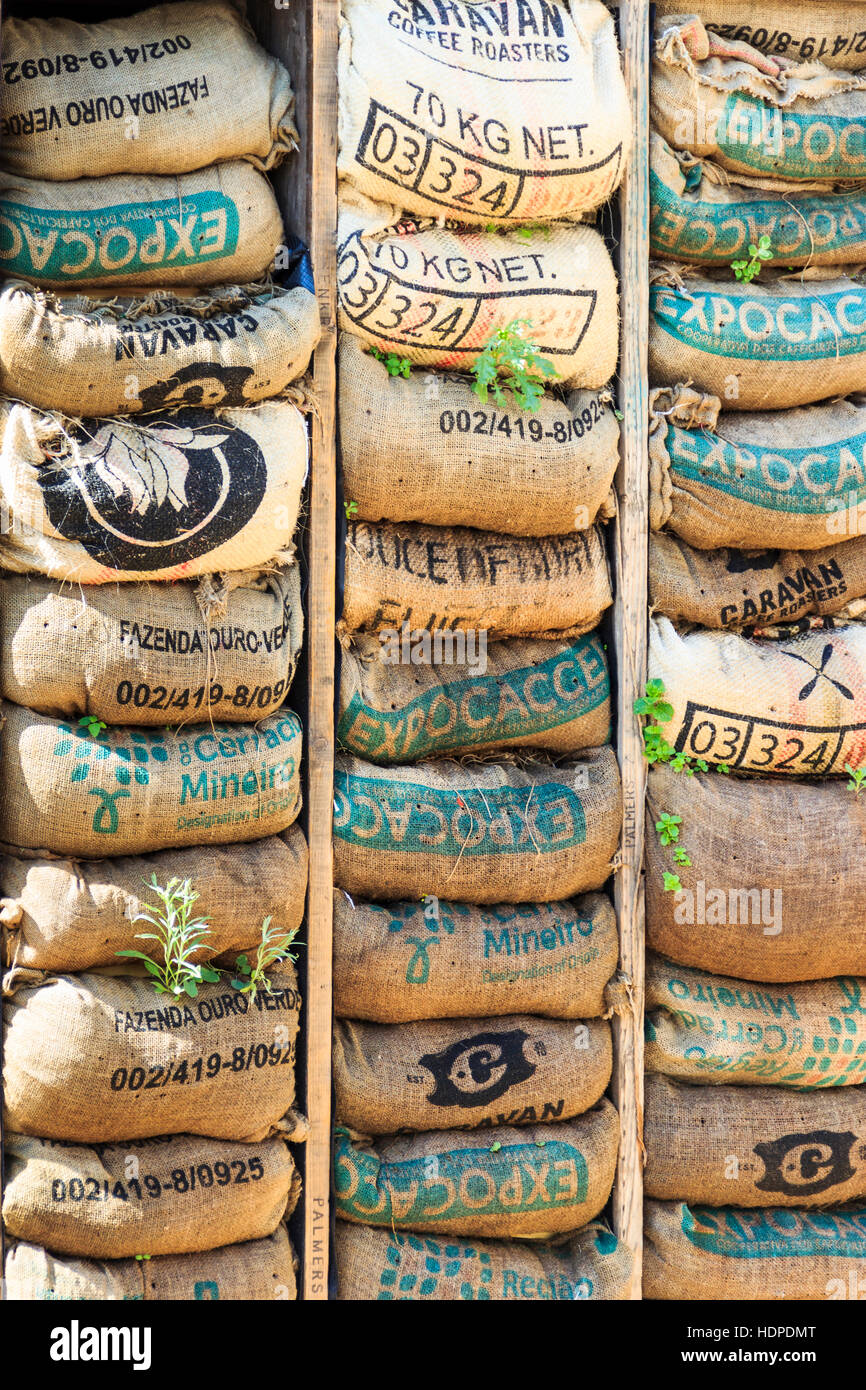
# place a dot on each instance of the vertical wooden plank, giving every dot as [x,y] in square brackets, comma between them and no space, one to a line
[322,618]
[630,632]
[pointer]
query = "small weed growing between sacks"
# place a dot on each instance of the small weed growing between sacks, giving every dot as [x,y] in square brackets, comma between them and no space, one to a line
[749,270]
[394,365]
[181,936]
[857,776]
[350,509]
[273,949]
[510,362]
[94,726]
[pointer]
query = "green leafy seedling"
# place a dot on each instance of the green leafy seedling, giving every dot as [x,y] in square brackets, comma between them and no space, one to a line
[723,768]
[672,883]
[142,1257]
[509,361]
[654,707]
[394,365]
[749,270]
[94,726]
[857,776]
[495,1147]
[182,937]
[271,950]
[681,857]
[350,509]
[668,827]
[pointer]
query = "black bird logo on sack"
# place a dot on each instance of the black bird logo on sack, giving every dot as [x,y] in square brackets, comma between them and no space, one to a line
[147,497]
[478,1070]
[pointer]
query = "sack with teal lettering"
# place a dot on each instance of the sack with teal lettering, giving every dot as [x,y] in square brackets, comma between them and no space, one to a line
[398,1266]
[767,1253]
[795,481]
[513,830]
[832,32]
[105,1058]
[70,790]
[82,354]
[466,1073]
[698,215]
[712,1029]
[254,1270]
[166,496]
[72,914]
[170,88]
[437,292]
[401,701]
[162,1196]
[217,226]
[537,1181]
[225,648]
[515,113]
[754,1146]
[777,342]
[395,962]
[758,590]
[753,114]
[796,705]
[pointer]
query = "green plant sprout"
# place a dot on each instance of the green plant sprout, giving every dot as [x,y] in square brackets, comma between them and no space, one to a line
[669,828]
[350,509]
[271,950]
[749,270]
[509,361]
[94,726]
[394,365]
[857,776]
[181,936]
[681,857]
[672,883]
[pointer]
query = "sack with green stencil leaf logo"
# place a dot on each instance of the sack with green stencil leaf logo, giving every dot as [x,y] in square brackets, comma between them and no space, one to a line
[432,958]
[253,1270]
[126,1062]
[713,1029]
[70,791]
[400,1266]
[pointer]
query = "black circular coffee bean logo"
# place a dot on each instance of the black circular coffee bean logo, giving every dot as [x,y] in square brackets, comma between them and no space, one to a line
[802,1165]
[478,1070]
[147,497]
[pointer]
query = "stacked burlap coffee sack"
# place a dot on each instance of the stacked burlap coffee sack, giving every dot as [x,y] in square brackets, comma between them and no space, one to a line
[477,802]
[154,331]
[754,1052]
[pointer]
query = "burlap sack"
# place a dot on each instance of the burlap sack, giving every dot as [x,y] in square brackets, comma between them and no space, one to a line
[387,1265]
[218,226]
[166,497]
[765,1254]
[253,1271]
[87,106]
[150,654]
[467,1073]
[452,577]
[552,959]
[831,31]
[128,791]
[436,295]
[63,914]
[743,909]
[425,449]
[774,343]
[712,1029]
[761,1146]
[696,215]
[96,1057]
[553,695]
[230,346]
[531,69]
[165,1196]
[755,588]
[794,706]
[796,481]
[511,831]
[752,114]
[536,1181]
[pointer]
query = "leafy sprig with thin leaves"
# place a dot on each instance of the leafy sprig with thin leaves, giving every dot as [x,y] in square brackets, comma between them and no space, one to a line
[272,950]
[182,937]
[393,364]
[510,361]
[749,270]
